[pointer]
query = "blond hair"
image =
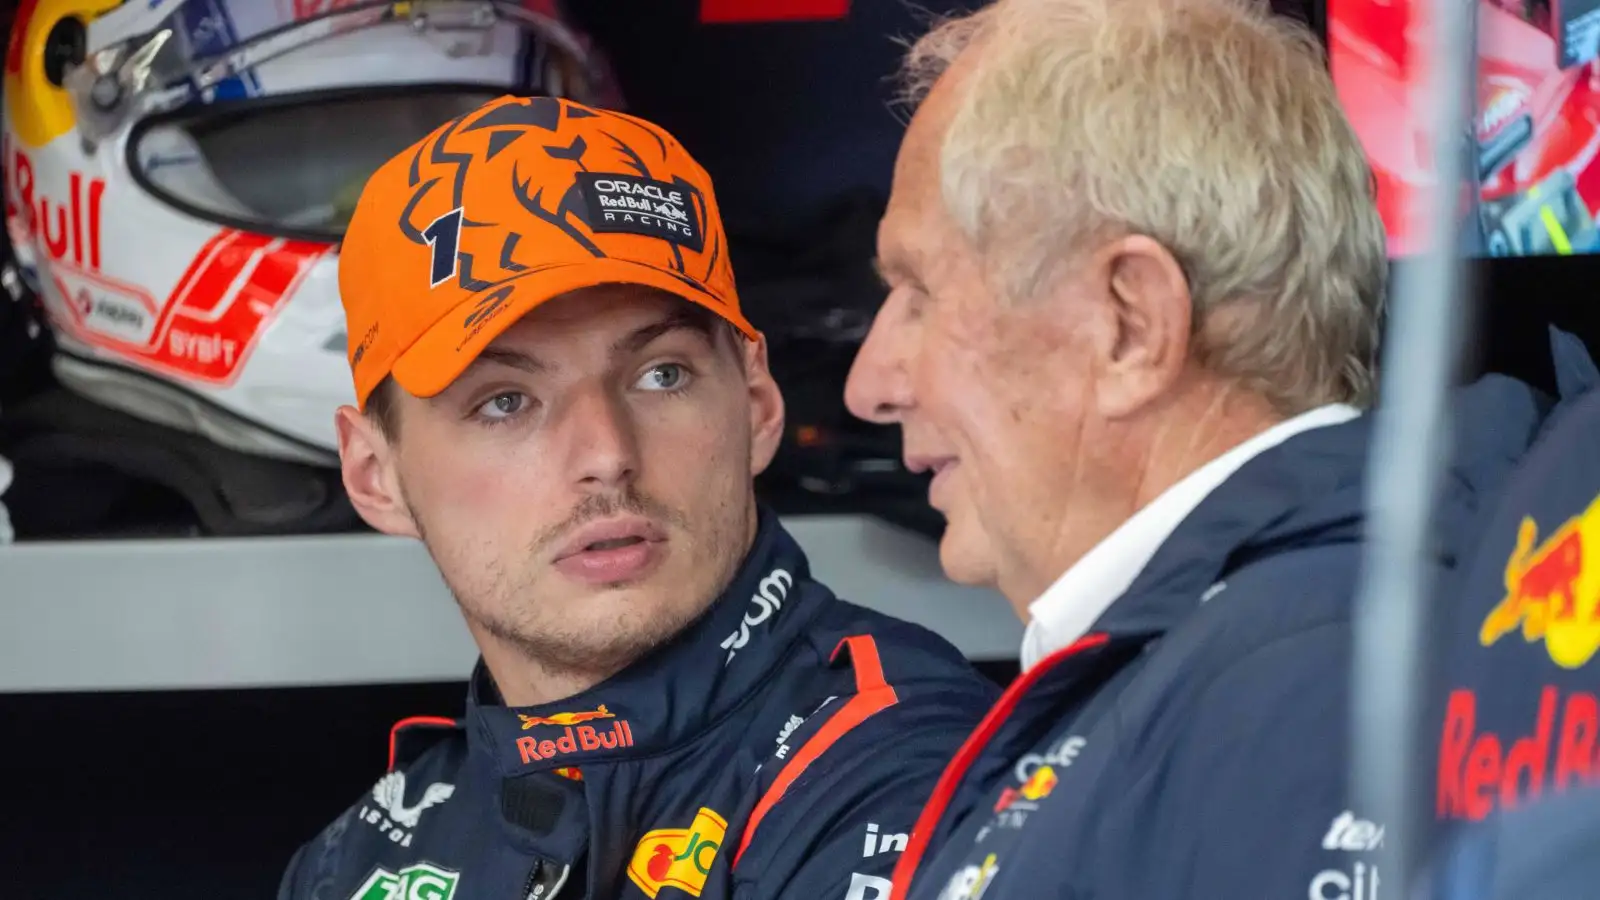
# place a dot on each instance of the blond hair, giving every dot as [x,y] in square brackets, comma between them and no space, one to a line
[1211,126]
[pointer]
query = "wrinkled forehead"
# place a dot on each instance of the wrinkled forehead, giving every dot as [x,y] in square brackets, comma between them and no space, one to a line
[916,209]
[918,159]
[910,219]
[916,166]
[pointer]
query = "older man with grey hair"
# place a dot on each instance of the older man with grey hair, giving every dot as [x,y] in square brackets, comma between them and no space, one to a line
[1136,278]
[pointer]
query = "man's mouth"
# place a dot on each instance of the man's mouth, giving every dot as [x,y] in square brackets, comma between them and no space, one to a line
[937,487]
[924,462]
[613,543]
[612,551]
[610,536]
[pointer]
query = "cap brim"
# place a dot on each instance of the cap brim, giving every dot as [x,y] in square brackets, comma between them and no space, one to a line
[439,357]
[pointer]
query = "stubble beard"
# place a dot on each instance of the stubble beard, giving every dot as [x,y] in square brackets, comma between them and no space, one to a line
[510,611]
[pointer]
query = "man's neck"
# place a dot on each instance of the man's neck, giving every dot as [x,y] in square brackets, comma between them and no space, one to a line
[1204,425]
[1143,462]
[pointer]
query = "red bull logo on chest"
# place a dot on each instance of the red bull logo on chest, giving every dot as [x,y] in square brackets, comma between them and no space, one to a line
[1482,769]
[1553,590]
[566,718]
[574,737]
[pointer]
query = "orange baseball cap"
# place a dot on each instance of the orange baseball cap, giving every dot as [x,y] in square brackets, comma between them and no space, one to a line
[508,206]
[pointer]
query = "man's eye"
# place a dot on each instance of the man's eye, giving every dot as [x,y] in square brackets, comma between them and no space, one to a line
[503,406]
[912,298]
[664,377]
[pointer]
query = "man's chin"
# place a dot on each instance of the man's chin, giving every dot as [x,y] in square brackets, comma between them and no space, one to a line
[654,594]
[964,556]
[646,592]
[596,629]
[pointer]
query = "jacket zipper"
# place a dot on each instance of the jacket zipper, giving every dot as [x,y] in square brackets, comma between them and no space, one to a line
[950,782]
[538,887]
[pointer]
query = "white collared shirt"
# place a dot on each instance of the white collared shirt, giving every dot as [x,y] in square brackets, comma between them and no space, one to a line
[1068,608]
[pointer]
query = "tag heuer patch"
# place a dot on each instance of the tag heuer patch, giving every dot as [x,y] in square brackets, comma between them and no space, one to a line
[631,205]
[419,882]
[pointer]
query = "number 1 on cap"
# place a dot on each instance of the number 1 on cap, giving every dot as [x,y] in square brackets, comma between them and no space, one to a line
[444,237]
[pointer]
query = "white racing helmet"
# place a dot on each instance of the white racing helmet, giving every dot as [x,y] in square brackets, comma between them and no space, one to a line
[178,174]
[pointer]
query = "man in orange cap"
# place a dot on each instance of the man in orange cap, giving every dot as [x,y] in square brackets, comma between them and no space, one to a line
[559,396]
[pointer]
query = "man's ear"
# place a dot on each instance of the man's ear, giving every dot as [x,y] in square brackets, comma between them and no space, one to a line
[366,461]
[1145,347]
[766,406]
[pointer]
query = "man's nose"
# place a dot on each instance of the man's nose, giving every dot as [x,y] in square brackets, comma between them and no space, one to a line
[604,448]
[879,389]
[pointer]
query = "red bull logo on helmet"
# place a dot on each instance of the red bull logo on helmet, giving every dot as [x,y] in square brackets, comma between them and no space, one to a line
[1553,590]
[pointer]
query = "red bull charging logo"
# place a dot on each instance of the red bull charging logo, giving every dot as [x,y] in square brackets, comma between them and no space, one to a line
[1552,592]
[575,737]
[566,718]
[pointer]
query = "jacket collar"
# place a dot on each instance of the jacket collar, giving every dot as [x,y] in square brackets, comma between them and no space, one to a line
[1310,490]
[1304,491]
[1067,609]
[675,693]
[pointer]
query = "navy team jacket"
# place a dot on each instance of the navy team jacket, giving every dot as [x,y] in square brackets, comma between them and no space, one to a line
[781,746]
[1194,743]
[1516,714]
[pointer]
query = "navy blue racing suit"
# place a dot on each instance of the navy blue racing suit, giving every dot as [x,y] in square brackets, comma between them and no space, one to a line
[781,746]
